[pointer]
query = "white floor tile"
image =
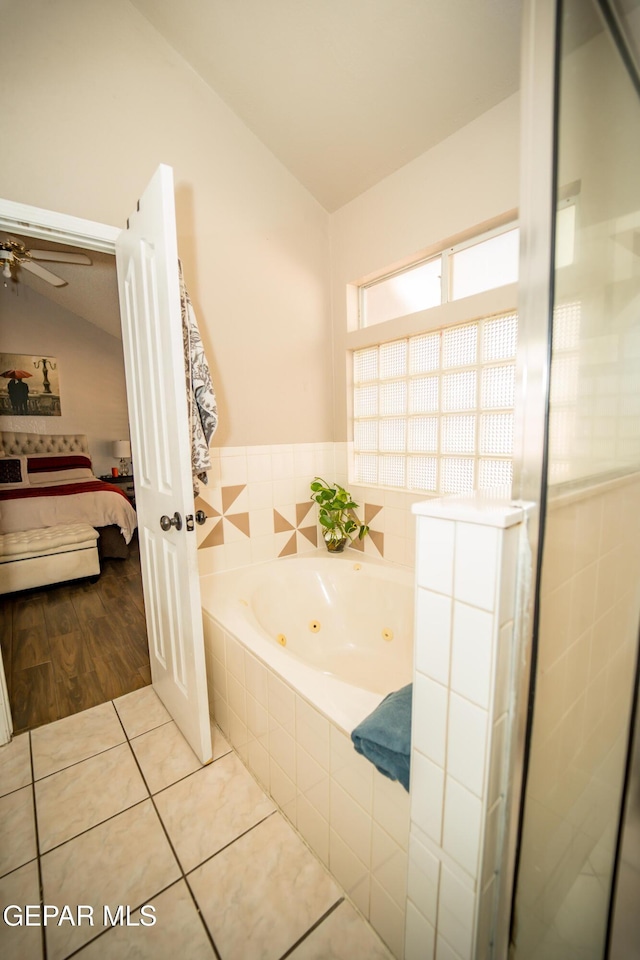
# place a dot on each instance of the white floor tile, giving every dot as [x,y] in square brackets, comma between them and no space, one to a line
[262,912]
[17,829]
[178,931]
[58,745]
[126,860]
[210,809]
[344,935]
[20,887]
[79,797]
[164,756]
[140,711]
[15,764]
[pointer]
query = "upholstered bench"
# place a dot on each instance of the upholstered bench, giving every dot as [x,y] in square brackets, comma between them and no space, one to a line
[34,558]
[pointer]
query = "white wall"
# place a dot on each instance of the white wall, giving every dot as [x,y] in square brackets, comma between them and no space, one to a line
[256,246]
[90,368]
[468,179]
[103,100]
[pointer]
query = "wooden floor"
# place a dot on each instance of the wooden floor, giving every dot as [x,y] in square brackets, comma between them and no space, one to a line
[70,647]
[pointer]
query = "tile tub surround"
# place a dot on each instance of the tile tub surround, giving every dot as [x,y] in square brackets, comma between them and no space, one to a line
[467,552]
[353,818]
[258,507]
[141,822]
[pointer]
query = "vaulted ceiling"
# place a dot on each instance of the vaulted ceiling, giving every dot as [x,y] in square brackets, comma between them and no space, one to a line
[344,92]
[91,291]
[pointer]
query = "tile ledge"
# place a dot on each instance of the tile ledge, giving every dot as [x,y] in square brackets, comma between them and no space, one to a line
[491,508]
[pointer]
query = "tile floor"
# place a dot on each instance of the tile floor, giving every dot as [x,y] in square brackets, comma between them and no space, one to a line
[110,807]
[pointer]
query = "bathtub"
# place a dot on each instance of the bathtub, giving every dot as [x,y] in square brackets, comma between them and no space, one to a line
[337,628]
[298,651]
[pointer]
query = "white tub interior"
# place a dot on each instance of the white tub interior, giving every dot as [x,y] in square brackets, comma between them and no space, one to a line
[338,629]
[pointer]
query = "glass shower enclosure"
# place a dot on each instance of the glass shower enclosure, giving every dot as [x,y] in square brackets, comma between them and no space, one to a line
[577,846]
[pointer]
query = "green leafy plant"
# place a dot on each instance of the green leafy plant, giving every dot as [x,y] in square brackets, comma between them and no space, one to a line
[336,514]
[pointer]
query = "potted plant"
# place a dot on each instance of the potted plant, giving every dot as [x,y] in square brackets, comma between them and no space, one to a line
[336,516]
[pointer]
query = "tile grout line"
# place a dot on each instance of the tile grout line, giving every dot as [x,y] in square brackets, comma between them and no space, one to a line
[82,833]
[171,846]
[39,863]
[157,726]
[15,869]
[107,929]
[314,926]
[97,754]
[231,842]
[77,763]
[187,775]
[17,789]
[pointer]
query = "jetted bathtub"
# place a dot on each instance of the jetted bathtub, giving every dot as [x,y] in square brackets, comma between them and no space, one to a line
[339,628]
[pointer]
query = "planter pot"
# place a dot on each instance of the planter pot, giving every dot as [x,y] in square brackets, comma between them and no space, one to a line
[336,546]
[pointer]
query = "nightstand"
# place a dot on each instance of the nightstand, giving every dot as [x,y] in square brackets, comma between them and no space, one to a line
[126,485]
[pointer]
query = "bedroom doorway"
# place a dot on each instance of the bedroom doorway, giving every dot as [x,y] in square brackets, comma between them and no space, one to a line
[68,647]
[149,296]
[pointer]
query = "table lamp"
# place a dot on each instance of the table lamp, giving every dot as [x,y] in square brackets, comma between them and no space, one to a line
[122,451]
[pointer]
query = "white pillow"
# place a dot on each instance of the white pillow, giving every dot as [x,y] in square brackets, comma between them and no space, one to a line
[55,468]
[60,476]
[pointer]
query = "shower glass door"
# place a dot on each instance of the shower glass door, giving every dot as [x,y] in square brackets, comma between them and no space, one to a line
[589,586]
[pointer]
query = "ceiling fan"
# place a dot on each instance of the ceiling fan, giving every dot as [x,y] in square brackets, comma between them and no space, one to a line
[14,255]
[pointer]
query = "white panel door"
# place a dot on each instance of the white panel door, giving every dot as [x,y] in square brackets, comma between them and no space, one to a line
[147,262]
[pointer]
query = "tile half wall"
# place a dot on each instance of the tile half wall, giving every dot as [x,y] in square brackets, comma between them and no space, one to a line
[353,818]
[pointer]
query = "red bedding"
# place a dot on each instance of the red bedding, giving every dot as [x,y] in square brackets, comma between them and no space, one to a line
[86,500]
[62,490]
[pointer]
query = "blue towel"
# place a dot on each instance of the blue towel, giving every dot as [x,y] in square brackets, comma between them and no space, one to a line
[384,737]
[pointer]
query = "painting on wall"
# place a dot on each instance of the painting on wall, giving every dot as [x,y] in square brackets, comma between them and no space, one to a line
[29,386]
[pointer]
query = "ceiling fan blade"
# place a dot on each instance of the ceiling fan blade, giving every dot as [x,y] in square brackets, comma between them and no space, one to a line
[42,273]
[60,256]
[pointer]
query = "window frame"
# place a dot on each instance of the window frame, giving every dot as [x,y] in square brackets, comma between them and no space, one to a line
[445,254]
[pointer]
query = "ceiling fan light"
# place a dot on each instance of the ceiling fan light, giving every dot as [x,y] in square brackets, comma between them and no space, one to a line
[6,270]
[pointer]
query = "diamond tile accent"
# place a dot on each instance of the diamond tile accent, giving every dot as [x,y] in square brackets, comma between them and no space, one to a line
[371,510]
[241,521]
[280,523]
[311,533]
[290,548]
[302,509]
[215,538]
[210,511]
[377,538]
[230,494]
[308,532]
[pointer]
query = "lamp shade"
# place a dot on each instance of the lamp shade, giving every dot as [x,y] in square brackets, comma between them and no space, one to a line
[121,449]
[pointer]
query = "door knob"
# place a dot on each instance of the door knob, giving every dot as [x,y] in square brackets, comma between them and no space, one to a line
[201,517]
[167,522]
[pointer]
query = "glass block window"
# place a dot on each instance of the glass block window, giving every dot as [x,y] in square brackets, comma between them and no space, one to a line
[434,413]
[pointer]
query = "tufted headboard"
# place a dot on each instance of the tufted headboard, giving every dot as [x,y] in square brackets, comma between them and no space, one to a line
[26,444]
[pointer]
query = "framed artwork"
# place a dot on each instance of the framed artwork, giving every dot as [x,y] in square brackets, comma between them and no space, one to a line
[29,386]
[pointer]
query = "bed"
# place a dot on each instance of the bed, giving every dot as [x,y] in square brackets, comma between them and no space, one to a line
[46,481]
